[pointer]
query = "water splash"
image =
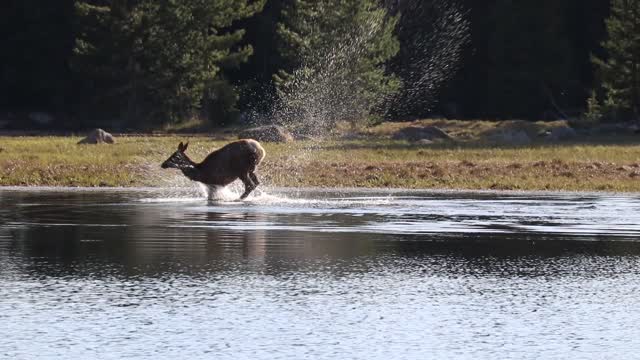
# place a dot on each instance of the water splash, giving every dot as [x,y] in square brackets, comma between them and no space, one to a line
[328,87]
[434,35]
[221,193]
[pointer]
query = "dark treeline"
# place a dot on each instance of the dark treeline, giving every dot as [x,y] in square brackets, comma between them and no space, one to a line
[141,63]
[529,59]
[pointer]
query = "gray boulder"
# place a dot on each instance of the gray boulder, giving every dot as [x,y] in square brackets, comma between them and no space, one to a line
[419,133]
[98,136]
[267,133]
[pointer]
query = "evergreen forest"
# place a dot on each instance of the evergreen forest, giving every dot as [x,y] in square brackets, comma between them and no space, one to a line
[139,64]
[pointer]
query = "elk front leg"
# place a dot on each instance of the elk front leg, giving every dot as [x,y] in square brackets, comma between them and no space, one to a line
[248,185]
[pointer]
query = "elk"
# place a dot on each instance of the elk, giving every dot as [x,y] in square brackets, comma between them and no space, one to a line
[238,159]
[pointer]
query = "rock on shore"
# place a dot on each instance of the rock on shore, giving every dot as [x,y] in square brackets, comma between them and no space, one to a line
[98,136]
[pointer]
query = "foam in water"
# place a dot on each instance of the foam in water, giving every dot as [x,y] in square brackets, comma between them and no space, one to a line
[220,193]
[264,197]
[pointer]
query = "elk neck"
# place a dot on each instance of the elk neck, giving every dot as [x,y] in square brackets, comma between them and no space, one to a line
[190,168]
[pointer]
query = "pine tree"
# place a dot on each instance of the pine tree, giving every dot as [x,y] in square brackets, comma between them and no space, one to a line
[153,61]
[334,60]
[619,71]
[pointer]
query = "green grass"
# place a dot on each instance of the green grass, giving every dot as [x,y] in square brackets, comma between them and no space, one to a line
[378,162]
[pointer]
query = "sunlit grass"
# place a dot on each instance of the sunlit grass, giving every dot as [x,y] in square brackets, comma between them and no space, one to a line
[135,161]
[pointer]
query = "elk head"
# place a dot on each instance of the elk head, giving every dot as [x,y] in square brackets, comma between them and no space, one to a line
[179,159]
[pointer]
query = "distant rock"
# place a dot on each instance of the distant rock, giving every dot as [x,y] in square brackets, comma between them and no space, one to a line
[420,133]
[98,136]
[561,133]
[267,133]
[509,137]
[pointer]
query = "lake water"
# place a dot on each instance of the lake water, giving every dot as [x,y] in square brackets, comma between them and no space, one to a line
[310,274]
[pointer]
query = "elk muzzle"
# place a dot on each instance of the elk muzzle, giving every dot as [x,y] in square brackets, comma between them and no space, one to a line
[169,163]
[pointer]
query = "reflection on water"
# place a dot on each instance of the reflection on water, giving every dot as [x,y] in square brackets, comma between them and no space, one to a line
[318,274]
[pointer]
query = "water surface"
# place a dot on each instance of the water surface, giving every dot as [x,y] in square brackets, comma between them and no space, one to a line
[143,273]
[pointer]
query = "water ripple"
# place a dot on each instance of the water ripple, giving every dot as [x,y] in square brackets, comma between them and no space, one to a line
[318,274]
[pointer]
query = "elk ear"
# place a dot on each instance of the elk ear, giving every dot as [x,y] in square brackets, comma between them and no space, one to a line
[181,146]
[184,148]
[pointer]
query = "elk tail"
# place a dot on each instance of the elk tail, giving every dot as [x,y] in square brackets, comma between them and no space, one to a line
[256,153]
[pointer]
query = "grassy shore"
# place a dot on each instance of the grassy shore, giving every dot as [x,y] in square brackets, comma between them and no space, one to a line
[374,162]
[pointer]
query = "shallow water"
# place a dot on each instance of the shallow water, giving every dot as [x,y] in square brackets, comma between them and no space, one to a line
[143,273]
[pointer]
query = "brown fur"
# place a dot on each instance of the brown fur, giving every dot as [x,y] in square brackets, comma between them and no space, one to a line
[236,160]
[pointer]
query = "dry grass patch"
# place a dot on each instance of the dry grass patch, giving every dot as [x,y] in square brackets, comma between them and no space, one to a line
[135,161]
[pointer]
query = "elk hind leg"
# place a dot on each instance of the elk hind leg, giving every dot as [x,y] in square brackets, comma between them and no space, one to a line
[248,185]
[254,178]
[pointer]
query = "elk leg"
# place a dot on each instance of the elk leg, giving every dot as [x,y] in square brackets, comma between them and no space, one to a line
[248,185]
[254,178]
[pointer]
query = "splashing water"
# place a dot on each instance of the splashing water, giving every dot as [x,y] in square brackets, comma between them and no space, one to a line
[430,58]
[328,86]
[221,193]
